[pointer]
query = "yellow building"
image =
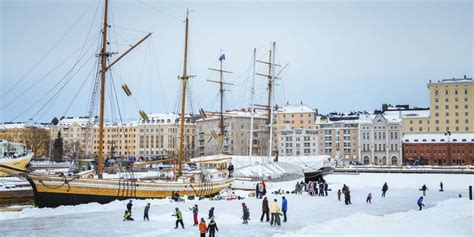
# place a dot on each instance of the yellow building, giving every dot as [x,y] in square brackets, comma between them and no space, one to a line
[119,140]
[451,108]
[35,136]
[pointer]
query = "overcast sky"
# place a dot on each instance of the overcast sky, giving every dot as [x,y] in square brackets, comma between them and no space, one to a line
[341,55]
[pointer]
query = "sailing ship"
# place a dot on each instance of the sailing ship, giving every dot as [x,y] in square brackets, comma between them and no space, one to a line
[52,190]
[13,155]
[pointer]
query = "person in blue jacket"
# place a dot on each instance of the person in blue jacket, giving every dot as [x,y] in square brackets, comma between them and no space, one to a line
[420,203]
[284,207]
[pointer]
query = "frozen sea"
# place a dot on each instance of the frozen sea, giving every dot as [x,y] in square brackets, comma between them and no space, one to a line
[396,214]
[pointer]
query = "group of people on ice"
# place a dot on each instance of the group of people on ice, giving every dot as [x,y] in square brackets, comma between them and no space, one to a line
[274,211]
[314,188]
[204,227]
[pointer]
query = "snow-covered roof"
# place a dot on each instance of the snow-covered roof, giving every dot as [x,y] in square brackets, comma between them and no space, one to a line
[18,125]
[453,80]
[439,138]
[164,118]
[300,108]
[81,121]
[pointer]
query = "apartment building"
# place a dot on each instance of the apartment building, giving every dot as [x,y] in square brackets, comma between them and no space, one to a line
[451,109]
[291,117]
[237,134]
[159,136]
[299,142]
[338,135]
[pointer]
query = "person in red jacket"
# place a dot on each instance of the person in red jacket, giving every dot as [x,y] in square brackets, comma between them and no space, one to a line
[202,227]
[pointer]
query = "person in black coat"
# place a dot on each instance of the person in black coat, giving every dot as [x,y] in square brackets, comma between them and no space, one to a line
[257,190]
[265,209]
[212,228]
[384,189]
[211,213]
[326,187]
[129,206]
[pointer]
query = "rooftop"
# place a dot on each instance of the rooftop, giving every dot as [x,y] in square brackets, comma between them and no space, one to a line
[439,138]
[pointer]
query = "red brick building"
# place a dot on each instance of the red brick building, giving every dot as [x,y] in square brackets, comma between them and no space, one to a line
[438,149]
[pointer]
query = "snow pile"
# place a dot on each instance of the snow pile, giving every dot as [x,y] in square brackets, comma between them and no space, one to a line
[79,209]
[457,219]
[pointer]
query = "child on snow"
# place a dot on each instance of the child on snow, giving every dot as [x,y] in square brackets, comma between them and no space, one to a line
[127,216]
[246,213]
[179,218]
[420,203]
[369,198]
[202,227]
[195,213]
[339,195]
[145,213]
[211,213]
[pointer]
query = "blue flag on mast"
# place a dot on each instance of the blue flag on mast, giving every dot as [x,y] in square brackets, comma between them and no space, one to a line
[222,57]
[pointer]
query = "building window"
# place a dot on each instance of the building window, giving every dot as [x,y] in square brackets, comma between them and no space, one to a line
[465,91]
[446,92]
[420,122]
[436,114]
[436,100]
[446,106]
[436,92]
[411,121]
[447,113]
[437,121]
[466,106]
[456,106]
[411,129]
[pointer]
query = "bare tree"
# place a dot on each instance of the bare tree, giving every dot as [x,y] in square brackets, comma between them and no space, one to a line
[37,140]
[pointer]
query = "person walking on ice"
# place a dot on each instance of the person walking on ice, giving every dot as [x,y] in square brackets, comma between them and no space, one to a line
[441,187]
[265,209]
[195,213]
[420,203]
[384,189]
[369,198]
[202,228]
[145,212]
[339,195]
[424,188]
[179,218]
[211,213]
[129,206]
[284,207]
[212,228]
[275,211]
[246,214]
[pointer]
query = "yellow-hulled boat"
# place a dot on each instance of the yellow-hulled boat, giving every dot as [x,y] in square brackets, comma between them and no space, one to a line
[15,162]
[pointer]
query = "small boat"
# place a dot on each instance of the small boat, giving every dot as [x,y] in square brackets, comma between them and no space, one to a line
[317,175]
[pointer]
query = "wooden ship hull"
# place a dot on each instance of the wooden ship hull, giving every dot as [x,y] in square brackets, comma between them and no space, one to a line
[57,191]
[17,163]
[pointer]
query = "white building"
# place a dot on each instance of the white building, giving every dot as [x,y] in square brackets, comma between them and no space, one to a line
[380,140]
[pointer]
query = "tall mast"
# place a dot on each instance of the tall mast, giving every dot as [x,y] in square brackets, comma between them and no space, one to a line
[221,92]
[252,102]
[103,59]
[184,79]
[270,93]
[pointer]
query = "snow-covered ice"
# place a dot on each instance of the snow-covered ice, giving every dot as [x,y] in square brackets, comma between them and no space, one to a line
[397,214]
